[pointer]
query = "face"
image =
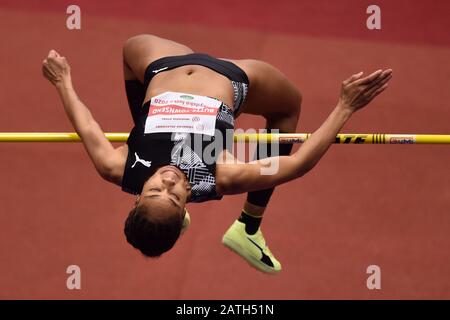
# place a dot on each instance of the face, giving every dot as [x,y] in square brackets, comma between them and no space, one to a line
[166,191]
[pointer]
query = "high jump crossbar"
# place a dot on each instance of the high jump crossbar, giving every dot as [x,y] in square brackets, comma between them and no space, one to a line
[342,138]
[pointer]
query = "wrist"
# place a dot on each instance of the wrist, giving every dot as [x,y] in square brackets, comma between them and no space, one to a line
[344,109]
[64,84]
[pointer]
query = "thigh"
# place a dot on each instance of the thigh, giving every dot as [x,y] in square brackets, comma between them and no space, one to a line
[139,51]
[270,93]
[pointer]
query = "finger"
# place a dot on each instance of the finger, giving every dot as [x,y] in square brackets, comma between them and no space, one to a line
[53,62]
[51,77]
[353,78]
[371,77]
[47,74]
[46,71]
[384,74]
[49,70]
[378,84]
[378,91]
[53,53]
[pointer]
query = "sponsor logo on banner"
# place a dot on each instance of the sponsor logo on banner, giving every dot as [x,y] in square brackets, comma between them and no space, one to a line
[402,140]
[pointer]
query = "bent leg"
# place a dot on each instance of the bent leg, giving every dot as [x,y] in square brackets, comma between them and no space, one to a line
[277,99]
[138,52]
[257,201]
[244,236]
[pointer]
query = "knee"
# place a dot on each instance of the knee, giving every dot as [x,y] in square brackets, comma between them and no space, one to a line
[292,116]
[129,46]
[293,106]
[134,42]
[137,38]
[284,122]
[297,106]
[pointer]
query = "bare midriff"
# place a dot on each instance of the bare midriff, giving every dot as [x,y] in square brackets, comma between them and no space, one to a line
[193,79]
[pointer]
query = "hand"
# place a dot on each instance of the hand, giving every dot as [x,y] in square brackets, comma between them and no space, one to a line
[357,92]
[56,68]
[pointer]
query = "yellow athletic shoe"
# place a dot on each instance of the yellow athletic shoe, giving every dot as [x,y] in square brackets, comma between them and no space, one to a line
[252,248]
[186,222]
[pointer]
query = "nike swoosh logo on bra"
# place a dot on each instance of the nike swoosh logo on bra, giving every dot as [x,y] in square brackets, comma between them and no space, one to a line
[265,258]
[158,70]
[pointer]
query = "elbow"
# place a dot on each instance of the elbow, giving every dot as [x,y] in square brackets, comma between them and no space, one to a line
[108,173]
[302,172]
[305,168]
[226,185]
[223,185]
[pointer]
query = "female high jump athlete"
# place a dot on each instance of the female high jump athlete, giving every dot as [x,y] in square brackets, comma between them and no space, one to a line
[177,96]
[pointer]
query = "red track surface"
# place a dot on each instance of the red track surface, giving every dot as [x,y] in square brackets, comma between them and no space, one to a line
[362,205]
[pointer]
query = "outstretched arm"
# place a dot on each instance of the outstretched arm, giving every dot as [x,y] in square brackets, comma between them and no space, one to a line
[108,161]
[356,93]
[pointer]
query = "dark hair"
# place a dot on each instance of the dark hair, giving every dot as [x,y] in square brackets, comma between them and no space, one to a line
[152,235]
